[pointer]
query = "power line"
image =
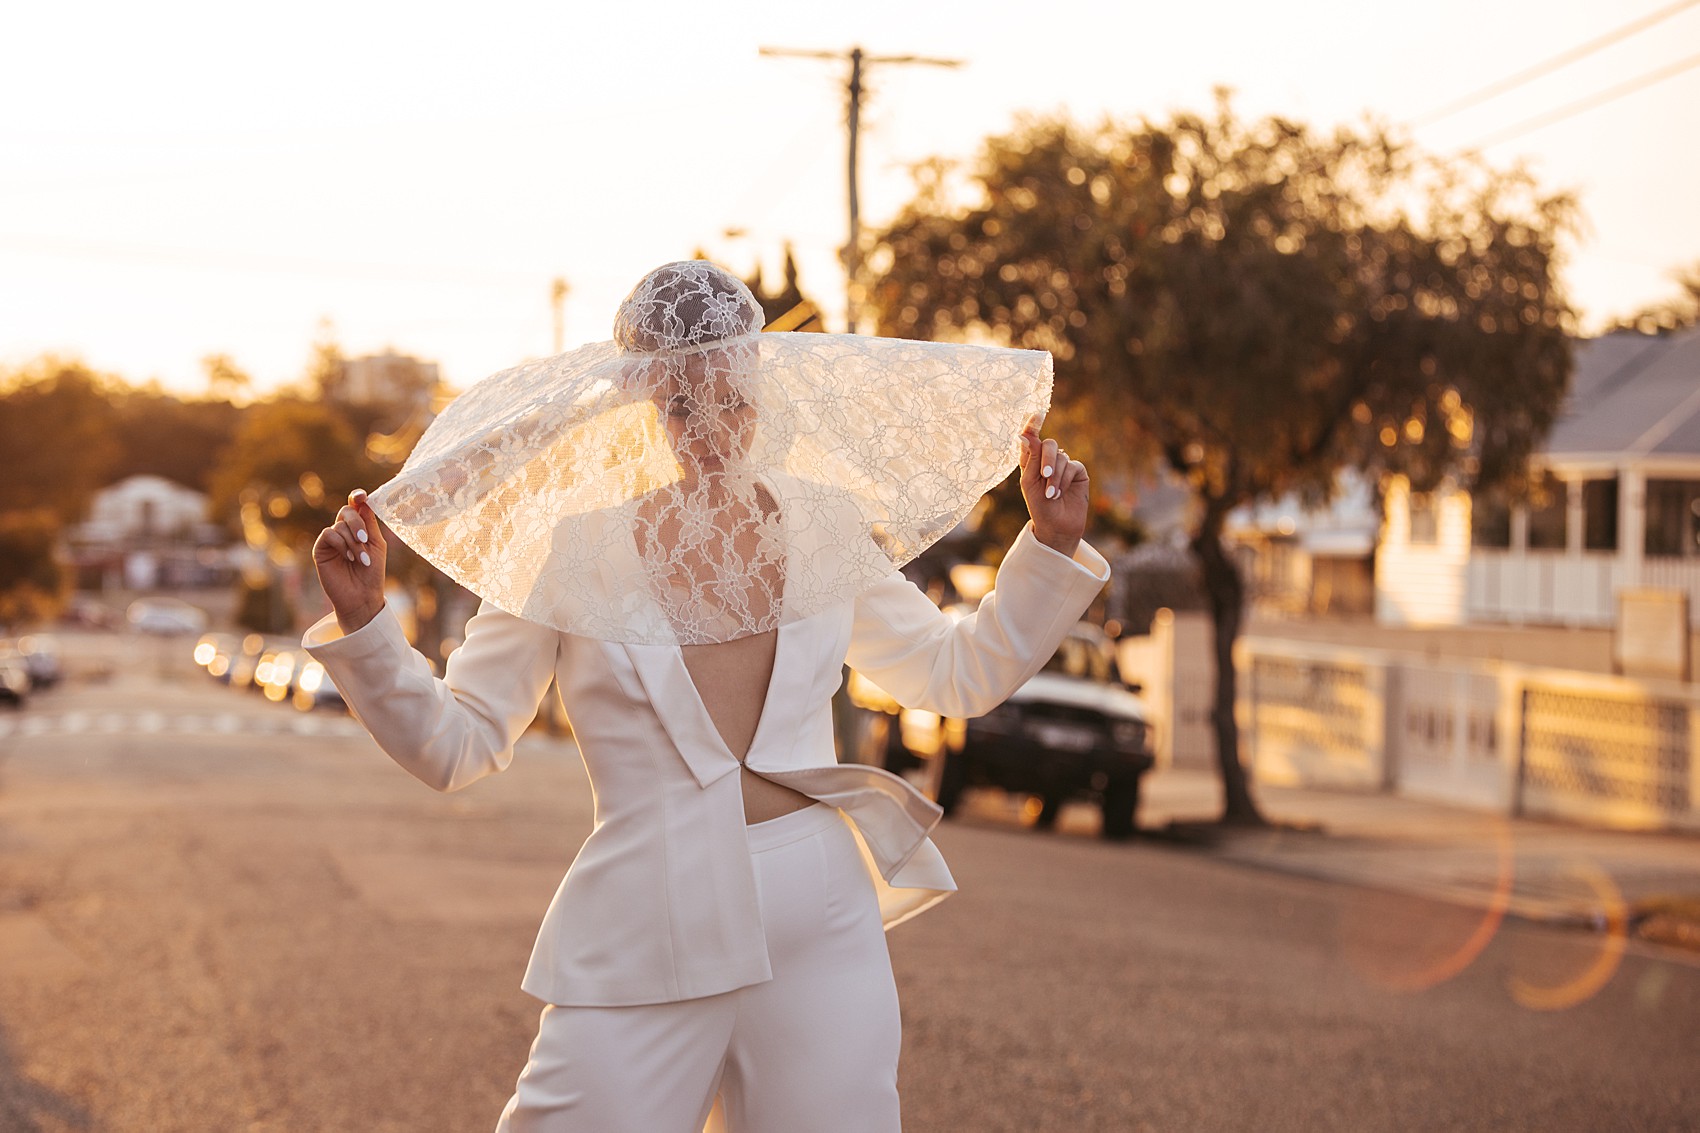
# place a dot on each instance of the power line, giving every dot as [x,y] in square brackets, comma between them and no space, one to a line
[1562,59]
[1609,95]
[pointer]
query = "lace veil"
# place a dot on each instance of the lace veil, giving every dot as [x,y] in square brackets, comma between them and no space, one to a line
[696,480]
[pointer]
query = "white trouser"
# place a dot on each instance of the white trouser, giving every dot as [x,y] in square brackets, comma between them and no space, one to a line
[813,1050]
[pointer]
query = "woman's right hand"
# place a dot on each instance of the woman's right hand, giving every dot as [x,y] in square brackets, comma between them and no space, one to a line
[349,556]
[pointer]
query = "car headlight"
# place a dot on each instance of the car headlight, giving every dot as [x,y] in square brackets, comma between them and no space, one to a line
[1128,733]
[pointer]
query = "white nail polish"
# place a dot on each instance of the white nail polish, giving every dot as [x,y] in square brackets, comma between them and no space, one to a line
[360,535]
[349,555]
[365,559]
[1050,494]
[1046,471]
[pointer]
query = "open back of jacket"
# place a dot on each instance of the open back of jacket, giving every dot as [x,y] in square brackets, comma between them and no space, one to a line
[660,903]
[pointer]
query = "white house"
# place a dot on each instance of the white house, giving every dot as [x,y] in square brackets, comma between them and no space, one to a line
[1618,506]
[141,508]
[1300,559]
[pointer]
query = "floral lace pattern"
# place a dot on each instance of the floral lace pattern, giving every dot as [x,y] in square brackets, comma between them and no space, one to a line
[694,480]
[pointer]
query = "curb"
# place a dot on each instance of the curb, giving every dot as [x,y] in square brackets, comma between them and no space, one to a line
[1670,923]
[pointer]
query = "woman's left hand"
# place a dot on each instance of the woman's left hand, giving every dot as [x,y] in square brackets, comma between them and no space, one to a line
[1055,489]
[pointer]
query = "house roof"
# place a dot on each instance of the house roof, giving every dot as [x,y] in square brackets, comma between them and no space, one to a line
[1632,395]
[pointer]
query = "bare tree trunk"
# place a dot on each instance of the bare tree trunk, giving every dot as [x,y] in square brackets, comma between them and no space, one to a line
[1225,590]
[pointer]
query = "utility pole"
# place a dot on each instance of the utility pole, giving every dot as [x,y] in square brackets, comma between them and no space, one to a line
[558,300]
[858,59]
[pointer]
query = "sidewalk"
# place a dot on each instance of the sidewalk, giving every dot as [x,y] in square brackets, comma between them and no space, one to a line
[1549,872]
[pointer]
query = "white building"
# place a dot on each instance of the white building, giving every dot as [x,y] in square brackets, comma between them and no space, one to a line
[143,508]
[1306,560]
[1618,507]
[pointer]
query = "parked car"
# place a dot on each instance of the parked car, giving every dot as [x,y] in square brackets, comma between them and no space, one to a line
[14,682]
[313,688]
[1073,731]
[39,653]
[274,676]
[245,659]
[165,616]
[214,652]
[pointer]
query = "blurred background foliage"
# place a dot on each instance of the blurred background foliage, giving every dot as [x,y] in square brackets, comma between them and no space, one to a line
[275,469]
[1679,312]
[34,582]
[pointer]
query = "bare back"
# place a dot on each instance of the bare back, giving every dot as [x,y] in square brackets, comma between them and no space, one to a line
[732,679]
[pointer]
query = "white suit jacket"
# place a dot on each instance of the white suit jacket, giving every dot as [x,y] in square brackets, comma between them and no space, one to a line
[660,902]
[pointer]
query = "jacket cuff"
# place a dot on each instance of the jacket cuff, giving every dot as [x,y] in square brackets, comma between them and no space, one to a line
[1086,561]
[325,640]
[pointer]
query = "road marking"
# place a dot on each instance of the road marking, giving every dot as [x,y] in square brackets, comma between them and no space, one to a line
[159,723]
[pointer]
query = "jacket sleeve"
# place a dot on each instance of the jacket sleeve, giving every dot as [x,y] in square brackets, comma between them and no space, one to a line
[445,731]
[962,668]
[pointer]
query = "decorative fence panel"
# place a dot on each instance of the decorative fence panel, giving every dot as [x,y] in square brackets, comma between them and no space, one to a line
[1622,756]
[1316,716]
[1522,740]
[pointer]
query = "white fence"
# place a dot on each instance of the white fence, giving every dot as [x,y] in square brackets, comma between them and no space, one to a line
[1522,740]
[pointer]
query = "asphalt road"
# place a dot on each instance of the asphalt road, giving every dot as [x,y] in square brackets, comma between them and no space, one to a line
[218,914]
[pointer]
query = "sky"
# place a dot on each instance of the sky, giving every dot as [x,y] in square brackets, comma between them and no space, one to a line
[183,179]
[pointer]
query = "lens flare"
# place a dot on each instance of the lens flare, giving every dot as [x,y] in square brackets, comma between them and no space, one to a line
[1409,944]
[1598,973]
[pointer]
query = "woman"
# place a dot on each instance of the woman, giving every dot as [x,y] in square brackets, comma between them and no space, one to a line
[691,530]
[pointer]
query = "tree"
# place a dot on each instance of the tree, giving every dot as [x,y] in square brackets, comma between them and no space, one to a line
[292,464]
[58,433]
[161,435]
[1257,305]
[327,366]
[226,381]
[280,481]
[33,581]
[1677,313]
[67,432]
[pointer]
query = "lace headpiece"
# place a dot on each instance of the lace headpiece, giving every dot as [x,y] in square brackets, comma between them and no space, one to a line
[696,480]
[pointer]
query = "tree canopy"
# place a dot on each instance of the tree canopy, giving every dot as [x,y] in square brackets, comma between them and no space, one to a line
[33,581]
[58,429]
[295,459]
[1256,304]
[1676,313]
